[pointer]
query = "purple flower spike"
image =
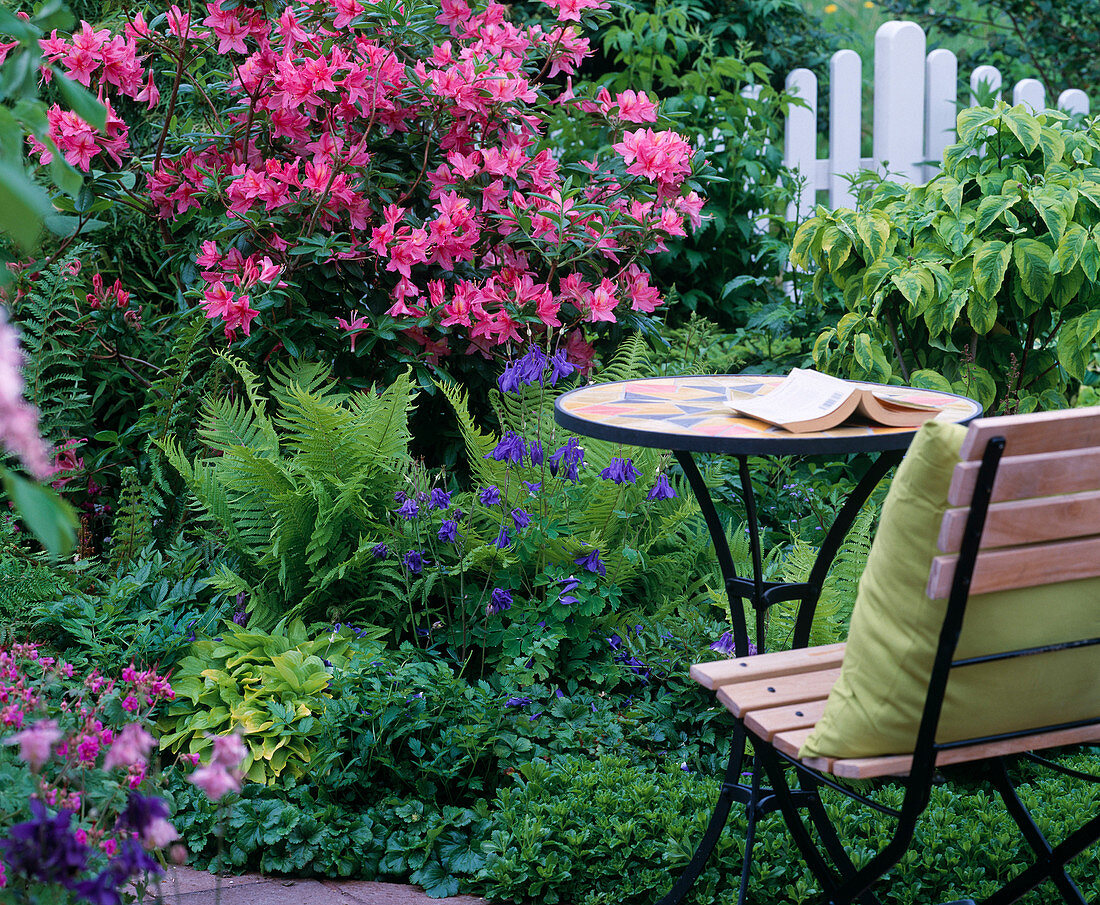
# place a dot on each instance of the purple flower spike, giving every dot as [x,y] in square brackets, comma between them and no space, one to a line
[661,489]
[489,496]
[520,519]
[448,531]
[380,551]
[621,471]
[409,510]
[440,499]
[503,540]
[414,561]
[591,562]
[499,601]
[510,449]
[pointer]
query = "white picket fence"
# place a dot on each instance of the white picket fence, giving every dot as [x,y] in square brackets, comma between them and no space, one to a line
[915,105]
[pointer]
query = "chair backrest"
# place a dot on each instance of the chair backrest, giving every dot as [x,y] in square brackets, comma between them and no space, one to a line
[1043,522]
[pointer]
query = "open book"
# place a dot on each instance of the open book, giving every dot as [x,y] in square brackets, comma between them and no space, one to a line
[811,401]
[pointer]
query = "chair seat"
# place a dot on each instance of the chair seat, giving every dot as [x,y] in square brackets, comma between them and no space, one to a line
[781,696]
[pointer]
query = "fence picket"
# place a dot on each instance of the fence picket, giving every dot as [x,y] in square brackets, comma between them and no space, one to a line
[899,86]
[913,120]
[845,132]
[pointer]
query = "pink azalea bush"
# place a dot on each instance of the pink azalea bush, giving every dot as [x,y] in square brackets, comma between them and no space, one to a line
[75,763]
[353,172]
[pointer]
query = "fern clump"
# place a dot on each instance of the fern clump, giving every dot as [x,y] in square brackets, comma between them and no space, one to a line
[299,495]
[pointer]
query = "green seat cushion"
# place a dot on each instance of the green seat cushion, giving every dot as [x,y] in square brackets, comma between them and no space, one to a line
[875,706]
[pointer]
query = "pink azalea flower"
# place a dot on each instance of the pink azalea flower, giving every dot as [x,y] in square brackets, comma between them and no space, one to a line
[353,327]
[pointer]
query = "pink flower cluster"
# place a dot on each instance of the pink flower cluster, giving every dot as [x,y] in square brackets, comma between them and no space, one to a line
[223,774]
[18,419]
[484,238]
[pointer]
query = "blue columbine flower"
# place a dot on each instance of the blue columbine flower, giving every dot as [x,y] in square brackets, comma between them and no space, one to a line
[591,562]
[621,471]
[571,454]
[615,641]
[510,449]
[489,496]
[536,452]
[440,499]
[409,509]
[400,496]
[568,586]
[661,489]
[725,645]
[380,551]
[502,540]
[518,701]
[499,601]
[533,486]
[448,531]
[559,367]
[520,519]
[414,561]
[45,848]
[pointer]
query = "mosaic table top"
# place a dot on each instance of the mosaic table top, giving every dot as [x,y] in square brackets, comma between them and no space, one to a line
[690,414]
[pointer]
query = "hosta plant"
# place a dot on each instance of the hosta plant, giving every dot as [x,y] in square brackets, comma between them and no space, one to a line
[985,281]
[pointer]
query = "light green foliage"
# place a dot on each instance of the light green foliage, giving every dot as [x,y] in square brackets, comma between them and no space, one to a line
[269,686]
[986,281]
[300,497]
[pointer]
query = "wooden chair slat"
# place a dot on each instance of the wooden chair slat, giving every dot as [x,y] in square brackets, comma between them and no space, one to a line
[1038,433]
[791,742]
[717,673]
[899,765]
[1027,521]
[1020,477]
[766,723]
[1020,567]
[744,697]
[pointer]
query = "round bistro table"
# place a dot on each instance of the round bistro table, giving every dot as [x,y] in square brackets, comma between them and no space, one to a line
[691,415]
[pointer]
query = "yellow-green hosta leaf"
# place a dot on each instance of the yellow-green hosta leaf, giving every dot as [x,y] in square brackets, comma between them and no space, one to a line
[990,265]
[1032,259]
[930,380]
[1024,126]
[1051,203]
[1052,144]
[874,233]
[801,246]
[941,317]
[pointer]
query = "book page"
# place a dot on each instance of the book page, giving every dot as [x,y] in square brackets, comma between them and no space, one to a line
[803,396]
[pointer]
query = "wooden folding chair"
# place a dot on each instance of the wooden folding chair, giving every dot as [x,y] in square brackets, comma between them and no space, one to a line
[1028,497]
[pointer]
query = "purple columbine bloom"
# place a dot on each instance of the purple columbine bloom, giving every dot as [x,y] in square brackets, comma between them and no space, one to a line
[409,509]
[591,562]
[509,382]
[621,471]
[571,454]
[400,496]
[44,848]
[520,519]
[725,645]
[489,496]
[448,531]
[518,701]
[615,641]
[140,811]
[568,586]
[536,452]
[502,540]
[440,499]
[414,561]
[510,449]
[380,551]
[533,486]
[661,489]
[499,601]
[559,367]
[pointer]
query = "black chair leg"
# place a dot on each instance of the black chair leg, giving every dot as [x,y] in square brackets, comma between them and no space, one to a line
[750,836]
[1002,782]
[1075,843]
[717,822]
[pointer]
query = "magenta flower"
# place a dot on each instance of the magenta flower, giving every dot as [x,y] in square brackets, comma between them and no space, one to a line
[130,748]
[215,781]
[36,743]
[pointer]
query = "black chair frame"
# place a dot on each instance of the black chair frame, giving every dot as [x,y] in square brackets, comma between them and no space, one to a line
[841,880]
